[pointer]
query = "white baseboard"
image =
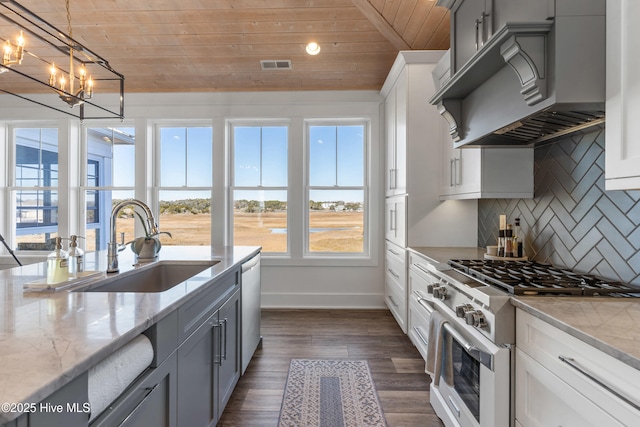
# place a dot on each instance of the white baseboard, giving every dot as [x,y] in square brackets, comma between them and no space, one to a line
[323,301]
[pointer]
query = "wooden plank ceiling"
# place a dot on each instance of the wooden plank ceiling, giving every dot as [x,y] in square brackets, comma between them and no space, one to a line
[217,45]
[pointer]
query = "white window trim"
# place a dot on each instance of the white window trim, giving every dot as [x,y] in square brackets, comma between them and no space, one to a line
[297,196]
[231,188]
[366,253]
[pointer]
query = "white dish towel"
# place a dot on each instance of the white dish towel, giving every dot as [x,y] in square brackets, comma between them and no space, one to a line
[109,378]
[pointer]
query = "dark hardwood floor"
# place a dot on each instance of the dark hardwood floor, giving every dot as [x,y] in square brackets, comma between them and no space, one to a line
[373,335]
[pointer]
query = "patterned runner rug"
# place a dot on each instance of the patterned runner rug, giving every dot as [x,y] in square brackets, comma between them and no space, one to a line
[330,393]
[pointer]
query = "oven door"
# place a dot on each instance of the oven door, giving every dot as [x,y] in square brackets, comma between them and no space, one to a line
[474,387]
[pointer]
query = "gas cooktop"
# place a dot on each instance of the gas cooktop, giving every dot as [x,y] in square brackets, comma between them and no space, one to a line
[533,278]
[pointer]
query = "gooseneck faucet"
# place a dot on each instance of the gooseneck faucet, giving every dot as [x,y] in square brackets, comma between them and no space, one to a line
[114,247]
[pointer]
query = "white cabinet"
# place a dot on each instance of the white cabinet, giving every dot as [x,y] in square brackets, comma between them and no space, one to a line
[622,153]
[396,220]
[414,135]
[561,380]
[414,213]
[476,173]
[396,283]
[396,143]
[420,302]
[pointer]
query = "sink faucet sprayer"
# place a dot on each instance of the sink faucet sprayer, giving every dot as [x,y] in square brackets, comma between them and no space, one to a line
[114,247]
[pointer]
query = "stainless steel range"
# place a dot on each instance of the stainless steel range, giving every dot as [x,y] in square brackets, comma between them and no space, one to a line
[473,380]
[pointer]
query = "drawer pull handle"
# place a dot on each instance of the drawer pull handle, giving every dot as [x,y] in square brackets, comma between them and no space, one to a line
[390,298]
[149,391]
[454,406]
[394,252]
[419,334]
[421,268]
[393,273]
[571,362]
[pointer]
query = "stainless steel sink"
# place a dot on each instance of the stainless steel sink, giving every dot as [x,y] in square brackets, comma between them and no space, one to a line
[156,277]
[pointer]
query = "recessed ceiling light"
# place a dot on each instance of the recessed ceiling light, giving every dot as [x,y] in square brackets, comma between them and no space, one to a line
[313,48]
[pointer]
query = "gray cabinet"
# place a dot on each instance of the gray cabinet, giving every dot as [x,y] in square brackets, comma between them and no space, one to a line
[209,366]
[63,408]
[471,25]
[151,400]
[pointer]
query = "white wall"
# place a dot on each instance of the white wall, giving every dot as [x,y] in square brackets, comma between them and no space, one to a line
[286,283]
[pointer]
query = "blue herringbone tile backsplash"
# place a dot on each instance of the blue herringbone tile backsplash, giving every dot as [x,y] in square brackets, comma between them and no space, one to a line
[572,221]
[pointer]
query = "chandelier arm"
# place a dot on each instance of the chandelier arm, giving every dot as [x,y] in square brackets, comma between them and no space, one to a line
[54,32]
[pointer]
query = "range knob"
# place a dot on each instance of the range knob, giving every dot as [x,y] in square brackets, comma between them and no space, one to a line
[475,318]
[462,309]
[440,292]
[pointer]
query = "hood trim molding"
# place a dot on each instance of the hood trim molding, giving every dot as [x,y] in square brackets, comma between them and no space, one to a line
[522,45]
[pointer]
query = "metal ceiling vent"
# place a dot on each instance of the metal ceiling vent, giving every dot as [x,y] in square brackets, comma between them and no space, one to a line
[275,64]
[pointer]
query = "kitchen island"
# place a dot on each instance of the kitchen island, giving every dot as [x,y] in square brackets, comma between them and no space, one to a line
[51,338]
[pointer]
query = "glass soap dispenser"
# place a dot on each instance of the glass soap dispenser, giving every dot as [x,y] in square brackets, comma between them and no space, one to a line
[57,264]
[76,257]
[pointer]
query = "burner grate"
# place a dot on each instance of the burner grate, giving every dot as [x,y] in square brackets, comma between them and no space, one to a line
[533,278]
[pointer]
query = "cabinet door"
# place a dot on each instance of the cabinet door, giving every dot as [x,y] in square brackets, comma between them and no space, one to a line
[471,24]
[74,393]
[229,351]
[401,133]
[151,400]
[622,153]
[196,375]
[543,399]
[390,142]
[157,404]
[396,220]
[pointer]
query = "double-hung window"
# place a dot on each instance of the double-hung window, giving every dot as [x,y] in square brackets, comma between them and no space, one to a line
[110,178]
[260,185]
[36,187]
[336,188]
[185,183]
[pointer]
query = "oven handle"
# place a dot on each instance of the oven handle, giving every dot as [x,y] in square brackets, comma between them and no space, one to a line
[479,355]
[572,362]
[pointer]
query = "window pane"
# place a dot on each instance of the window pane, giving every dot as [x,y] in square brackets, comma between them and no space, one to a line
[36,218]
[36,157]
[350,155]
[111,157]
[336,221]
[322,156]
[173,157]
[187,216]
[185,156]
[246,151]
[99,204]
[260,218]
[199,157]
[336,156]
[260,156]
[274,156]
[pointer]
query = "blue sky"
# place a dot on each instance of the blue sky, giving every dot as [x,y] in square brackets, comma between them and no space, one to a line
[261,157]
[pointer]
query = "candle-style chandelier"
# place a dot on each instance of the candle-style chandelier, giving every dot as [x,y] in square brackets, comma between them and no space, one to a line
[37,52]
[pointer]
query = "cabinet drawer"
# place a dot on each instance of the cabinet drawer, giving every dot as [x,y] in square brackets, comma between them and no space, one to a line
[201,307]
[395,252]
[545,400]
[418,328]
[397,272]
[396,300]
[610,378]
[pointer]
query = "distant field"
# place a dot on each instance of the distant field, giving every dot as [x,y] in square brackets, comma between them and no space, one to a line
[256,229]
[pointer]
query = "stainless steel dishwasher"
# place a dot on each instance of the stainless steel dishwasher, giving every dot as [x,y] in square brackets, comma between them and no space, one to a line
[251,289]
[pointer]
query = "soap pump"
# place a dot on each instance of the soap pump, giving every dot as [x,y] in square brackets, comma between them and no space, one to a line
[57,263]
[76,256]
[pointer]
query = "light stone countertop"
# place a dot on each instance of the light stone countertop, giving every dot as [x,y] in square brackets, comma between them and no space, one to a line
[609,324]
[49,338]
[444,254]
